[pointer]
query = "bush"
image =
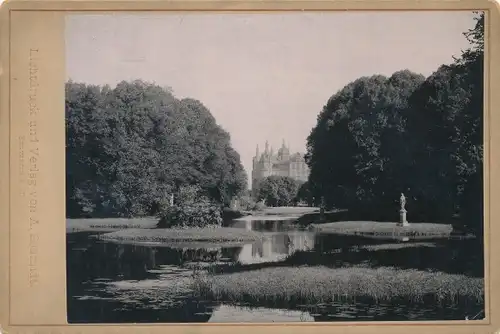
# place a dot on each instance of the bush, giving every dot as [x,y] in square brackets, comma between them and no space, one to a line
[191,209]
[259,206]
[247,203]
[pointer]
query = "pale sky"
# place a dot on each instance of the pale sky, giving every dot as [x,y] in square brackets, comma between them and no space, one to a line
[263,76]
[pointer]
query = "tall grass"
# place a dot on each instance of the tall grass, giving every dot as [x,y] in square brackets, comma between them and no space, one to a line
[289,285]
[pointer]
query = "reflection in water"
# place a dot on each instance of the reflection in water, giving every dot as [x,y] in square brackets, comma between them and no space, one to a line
[227,313]
[277,247]
[109,282]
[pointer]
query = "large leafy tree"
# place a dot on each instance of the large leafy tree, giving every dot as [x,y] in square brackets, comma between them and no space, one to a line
[381,136]
[131,146]
[449,154]
[352,150]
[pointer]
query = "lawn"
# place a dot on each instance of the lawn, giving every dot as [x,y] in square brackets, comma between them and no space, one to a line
[225,235]
[322,284]
[386,230]
[108,224]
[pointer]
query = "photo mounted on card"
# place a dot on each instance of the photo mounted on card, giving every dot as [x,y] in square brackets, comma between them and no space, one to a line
[228,164]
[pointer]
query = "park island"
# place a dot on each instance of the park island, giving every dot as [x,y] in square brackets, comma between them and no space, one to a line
[370,208]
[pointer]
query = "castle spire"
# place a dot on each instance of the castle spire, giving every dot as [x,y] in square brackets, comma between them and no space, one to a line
[283,144]
[267,147]
[257,151]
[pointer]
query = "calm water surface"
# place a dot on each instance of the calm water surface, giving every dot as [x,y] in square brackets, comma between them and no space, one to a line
[109,282]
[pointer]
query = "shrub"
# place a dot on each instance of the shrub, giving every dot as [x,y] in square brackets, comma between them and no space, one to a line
[259,206]
[247,203]
[191,209]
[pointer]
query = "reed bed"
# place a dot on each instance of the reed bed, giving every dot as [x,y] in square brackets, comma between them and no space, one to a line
[311,285]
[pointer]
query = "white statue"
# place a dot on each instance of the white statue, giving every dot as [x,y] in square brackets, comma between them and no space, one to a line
[402,200]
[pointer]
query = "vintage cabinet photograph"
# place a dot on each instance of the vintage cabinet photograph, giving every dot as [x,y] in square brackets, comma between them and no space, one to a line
[274,167]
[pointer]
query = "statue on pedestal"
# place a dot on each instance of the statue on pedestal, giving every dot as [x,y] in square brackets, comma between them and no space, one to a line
[402,211]
[322,209]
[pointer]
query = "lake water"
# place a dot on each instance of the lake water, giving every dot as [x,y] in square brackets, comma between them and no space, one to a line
[110,282]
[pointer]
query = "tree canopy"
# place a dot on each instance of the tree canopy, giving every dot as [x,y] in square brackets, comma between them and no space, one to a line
[131,146]
[380,136]
[278,190]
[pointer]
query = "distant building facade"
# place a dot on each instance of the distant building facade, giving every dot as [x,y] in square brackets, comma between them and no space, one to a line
[281,163]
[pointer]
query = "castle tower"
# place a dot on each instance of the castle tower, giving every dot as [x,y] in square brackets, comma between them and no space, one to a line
[256,158]
[284,152]
[280,163]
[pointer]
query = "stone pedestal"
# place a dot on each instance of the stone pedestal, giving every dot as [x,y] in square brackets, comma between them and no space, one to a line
[322,214]
[402,218]
[322,210]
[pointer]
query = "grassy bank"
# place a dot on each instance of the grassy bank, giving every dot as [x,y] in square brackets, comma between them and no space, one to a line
[212,236]
[386,230]
[310,285]
[108,224]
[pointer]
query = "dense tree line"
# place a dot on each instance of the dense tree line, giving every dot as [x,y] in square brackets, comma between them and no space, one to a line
[381,136]
[130,147]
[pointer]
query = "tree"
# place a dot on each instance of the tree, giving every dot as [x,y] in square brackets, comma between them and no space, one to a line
[353,150]
[131,146]
[449,158]
[305,193]
[278,190]
[380,136]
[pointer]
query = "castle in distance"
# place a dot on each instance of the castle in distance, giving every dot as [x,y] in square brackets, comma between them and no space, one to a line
[282,163]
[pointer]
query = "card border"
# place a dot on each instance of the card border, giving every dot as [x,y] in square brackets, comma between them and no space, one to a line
[491,82]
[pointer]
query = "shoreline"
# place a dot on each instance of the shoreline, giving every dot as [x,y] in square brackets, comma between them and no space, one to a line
[74,225]
[372,229]
[369,229]
[167,237]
